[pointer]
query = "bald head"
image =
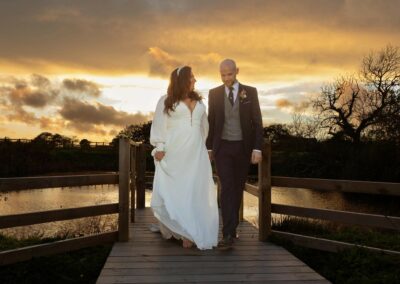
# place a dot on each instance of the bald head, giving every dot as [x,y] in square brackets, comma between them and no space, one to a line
[228,71]
[228,63]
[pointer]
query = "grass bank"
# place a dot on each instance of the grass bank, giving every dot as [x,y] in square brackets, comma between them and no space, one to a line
[349,266]
[81,266]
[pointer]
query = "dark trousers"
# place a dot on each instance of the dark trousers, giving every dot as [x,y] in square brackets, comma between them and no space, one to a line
[232,164]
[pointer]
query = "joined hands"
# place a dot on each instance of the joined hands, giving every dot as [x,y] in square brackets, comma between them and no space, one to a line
[159,155]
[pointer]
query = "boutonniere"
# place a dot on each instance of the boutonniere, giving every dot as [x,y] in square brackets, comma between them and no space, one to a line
[242,95]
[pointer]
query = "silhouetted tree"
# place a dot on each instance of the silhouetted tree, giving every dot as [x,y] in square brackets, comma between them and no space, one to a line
[43,137]
[352,104]
[138,132]
[304,126]
[85,144]
[276,132]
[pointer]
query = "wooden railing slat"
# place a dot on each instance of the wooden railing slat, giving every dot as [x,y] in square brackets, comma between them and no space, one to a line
[252,189]
[15,220]
[27,253]
[325,244]
[354,218]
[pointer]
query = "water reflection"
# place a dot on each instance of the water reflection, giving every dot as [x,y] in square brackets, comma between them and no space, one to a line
[24,201]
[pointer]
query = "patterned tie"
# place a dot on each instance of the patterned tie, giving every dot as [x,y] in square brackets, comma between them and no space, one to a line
[230,96]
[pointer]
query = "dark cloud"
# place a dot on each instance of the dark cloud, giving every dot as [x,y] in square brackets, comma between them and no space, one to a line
[40,81]
[82,86]
[36,99]
[85,113]
[36,92]
[39,92]
[21,115]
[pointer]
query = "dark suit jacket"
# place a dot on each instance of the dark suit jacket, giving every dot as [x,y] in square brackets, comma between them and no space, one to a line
[250,118]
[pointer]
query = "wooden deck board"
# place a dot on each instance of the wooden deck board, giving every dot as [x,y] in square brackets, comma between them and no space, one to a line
[148,258]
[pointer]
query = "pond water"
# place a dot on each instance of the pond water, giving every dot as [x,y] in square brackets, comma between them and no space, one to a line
[23,201]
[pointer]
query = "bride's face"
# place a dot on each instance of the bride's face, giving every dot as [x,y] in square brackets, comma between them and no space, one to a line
[192,81]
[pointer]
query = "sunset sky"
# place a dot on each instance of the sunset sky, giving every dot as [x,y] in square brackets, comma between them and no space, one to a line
[88,68]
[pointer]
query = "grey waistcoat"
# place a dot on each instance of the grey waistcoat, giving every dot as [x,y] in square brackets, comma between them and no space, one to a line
[232,130]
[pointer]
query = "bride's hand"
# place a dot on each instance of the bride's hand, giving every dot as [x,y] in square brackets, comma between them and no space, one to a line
[159,155]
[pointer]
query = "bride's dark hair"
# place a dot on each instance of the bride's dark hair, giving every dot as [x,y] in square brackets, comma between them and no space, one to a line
[179,88]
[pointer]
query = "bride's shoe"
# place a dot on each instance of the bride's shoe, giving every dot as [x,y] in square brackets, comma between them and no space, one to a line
[186,243]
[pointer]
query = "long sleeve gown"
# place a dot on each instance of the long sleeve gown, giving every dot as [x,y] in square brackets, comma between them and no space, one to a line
[184,199]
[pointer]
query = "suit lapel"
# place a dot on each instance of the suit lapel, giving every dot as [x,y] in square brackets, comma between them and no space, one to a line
[240,104]
[221,103]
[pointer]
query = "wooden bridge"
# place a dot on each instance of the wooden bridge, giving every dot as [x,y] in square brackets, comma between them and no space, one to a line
[148,258]
[141,256]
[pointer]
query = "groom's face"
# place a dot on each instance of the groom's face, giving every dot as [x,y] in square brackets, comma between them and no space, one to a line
[228,74]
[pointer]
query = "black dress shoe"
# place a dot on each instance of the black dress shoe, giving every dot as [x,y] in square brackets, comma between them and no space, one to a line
[226,243]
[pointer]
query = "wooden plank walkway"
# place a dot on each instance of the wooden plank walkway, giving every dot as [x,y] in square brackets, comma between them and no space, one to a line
[148,258]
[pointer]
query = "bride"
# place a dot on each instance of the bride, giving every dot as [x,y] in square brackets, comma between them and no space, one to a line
[184,198]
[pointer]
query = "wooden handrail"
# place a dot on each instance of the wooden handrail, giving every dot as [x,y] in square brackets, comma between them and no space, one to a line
[17,183]
[354,186]
[386,188]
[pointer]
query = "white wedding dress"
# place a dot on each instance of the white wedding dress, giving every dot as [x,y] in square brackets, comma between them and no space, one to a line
[184,198]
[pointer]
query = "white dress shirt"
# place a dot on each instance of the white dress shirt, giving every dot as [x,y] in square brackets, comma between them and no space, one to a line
[235,91]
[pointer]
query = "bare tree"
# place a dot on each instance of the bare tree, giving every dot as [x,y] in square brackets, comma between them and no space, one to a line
[304,126]
[352,104]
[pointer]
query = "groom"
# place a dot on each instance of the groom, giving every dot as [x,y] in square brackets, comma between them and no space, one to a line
[234,140]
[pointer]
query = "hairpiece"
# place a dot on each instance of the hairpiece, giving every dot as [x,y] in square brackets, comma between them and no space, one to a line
[179,70]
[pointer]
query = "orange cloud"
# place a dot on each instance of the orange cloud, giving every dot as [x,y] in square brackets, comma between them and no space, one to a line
[271,40]
[292,106]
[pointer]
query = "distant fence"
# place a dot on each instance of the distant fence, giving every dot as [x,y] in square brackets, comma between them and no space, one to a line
[60,144]
[131,181]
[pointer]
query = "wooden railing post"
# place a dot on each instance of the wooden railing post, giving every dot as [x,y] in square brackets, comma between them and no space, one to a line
[141,176]
[133,181]
[123,216]
[264,193]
